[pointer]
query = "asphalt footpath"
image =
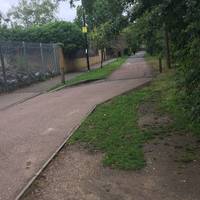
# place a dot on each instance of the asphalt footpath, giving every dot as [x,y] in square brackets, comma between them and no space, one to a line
[32,131]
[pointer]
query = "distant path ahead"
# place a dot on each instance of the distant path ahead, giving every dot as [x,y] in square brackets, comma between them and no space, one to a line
[32,131]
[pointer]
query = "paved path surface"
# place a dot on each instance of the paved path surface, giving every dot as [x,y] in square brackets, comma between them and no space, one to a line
[32,131]
[21,95]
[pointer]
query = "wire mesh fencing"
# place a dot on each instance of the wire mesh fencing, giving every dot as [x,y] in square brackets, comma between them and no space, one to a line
[22,63]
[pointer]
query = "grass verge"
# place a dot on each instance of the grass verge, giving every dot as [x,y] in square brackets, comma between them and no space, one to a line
[113,127]
[93,75]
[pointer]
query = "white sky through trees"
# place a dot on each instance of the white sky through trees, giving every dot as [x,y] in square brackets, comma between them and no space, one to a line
[65,12]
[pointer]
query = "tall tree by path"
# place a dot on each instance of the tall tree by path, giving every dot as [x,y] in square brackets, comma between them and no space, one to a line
[33,12]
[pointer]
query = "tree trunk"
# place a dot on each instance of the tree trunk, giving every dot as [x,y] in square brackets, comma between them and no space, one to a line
[86,41]
[104,55]
[168,50]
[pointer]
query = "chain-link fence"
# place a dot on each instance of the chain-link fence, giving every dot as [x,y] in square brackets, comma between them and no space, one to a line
[24,63]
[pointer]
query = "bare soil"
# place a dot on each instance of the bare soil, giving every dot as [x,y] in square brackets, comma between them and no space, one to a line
[77,174]
[172,171]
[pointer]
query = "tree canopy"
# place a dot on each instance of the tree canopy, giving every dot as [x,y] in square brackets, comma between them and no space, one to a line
[35,12]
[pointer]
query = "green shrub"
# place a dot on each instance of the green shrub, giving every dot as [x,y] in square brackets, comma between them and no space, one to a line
[67,33]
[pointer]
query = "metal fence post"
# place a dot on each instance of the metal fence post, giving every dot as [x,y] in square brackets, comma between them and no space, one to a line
[42,55]
[62,65]
[25,57]
[54,58]
[3,69]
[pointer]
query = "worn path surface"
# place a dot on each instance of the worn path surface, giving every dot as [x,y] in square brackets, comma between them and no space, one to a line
[32,131]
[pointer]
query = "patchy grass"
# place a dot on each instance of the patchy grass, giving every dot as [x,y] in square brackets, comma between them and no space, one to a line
[154,62]
[189,156]
[171,99]
[113,127]
[189,153]
[93,75]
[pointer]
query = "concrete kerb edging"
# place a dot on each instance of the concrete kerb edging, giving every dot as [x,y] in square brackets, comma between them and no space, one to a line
[45,165]
[75,85]
[22,101]
[25,189]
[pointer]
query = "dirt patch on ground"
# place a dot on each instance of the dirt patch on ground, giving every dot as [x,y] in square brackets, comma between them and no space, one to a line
[150,117]
[77,174]
[172,171]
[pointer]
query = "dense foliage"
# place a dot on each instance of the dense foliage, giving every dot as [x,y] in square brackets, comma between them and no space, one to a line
[69,34]
[103,11]
[172,28]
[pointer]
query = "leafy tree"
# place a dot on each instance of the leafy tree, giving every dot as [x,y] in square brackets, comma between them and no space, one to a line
[35,12]
[99,12]
[4,20]
[1,18]
[132,37]
[105,20]
[101,37]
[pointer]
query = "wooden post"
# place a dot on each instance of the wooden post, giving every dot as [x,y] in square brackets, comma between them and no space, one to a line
[102,58]
[62,71]
[3,69]
[62,65]
[160,65]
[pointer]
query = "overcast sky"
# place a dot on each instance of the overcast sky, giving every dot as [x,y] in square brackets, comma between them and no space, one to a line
[64,11]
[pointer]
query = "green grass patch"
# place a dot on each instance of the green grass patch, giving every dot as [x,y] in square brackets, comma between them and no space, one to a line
[113,127]
[93,75]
